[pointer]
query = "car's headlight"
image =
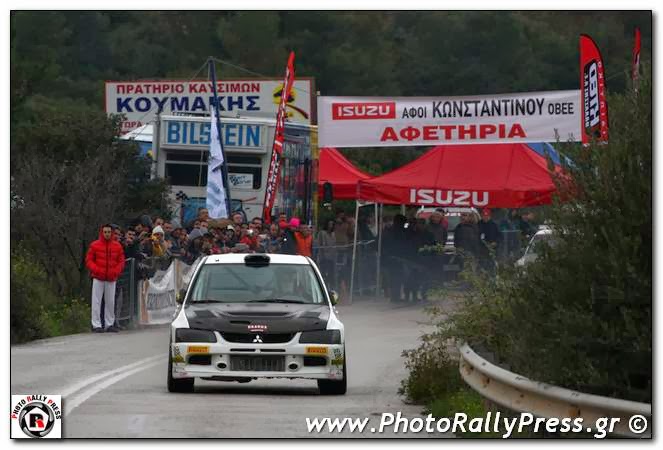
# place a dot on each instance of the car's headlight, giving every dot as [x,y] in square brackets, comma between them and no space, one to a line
[193,335]
[320,337]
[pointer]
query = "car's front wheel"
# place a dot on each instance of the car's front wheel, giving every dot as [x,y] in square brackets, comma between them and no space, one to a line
[177,385]
[334,387]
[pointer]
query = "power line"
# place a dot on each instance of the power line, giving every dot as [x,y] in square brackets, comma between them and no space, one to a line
[190,80]
[221,61]
[251,72]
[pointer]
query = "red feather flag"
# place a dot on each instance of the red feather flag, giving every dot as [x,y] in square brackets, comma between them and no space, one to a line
[592,86]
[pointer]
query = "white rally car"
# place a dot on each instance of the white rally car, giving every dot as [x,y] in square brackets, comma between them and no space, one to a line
[249,316]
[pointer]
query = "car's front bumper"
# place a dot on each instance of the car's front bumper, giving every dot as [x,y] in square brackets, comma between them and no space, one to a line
[220,354]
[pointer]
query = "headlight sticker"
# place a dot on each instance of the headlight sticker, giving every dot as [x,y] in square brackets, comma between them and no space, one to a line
[200,349]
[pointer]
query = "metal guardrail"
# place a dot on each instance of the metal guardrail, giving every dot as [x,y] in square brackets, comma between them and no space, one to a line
[521,394]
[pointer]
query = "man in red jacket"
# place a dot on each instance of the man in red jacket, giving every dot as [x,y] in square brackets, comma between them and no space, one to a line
[105,261]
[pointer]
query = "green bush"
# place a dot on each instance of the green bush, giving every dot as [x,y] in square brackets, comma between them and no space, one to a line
[580,315]
[35,310]
[70,317]
[463,400]
[30,291]
[433,373]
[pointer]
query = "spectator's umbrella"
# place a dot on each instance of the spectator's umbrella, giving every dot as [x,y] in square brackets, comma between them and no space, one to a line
[486,175]
[341,173]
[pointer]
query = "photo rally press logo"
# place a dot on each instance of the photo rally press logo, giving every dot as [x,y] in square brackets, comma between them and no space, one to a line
[36,416]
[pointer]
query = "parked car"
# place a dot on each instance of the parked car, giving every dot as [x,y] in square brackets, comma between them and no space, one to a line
[544,234]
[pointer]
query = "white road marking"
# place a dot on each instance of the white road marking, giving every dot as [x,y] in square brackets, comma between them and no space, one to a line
[81,384]
[115,375]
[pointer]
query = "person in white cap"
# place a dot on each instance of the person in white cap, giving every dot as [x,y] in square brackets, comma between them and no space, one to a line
[159,244]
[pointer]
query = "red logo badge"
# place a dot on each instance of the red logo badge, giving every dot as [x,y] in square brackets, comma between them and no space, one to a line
[359,111]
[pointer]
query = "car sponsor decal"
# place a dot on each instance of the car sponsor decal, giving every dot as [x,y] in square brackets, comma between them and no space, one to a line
[338,357]
[177,355]
[317,350]
[198,349]
[337,361]
[257,328]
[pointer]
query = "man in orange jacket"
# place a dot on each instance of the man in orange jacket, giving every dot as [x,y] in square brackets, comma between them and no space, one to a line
[105,261]
[304,240]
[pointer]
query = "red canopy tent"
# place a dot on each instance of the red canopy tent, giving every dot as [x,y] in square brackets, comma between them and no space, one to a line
[494,176]
[485,175]
[341,173]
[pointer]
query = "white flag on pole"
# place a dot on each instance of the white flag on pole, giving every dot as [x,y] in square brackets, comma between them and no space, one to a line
[216,193]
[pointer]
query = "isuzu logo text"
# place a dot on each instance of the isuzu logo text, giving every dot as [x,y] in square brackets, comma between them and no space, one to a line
[358,111]
[448,198]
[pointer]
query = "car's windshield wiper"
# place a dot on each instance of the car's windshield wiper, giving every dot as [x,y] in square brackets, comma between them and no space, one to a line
[275,300]
[208,301]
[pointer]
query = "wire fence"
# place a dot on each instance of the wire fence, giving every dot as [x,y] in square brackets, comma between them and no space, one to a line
[335,263]
[137,273]
[376,274]
[401,276]
[125,294]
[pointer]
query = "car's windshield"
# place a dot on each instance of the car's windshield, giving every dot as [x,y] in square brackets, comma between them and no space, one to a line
[453,222]
[238,283]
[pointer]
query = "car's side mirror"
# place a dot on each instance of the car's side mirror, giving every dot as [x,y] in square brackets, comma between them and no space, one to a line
[334,297]
[179,298]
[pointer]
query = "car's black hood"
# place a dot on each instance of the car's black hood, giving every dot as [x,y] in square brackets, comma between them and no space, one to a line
[277,317]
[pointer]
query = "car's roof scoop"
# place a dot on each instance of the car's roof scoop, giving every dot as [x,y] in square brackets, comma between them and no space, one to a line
[256,260]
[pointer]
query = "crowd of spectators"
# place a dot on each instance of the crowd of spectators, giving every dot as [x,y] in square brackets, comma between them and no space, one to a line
[416,250]
[155,238]
[406,264]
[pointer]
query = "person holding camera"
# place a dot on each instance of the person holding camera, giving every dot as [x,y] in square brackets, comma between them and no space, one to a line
[157,245]
[248,237]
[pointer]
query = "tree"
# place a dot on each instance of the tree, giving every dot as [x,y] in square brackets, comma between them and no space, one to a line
[73,175]
[580,315]
[252,40]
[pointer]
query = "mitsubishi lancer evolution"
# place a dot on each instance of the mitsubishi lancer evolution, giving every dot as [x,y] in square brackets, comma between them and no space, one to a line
[250,316]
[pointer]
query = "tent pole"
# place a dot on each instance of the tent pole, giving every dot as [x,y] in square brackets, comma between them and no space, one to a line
[375,221]
[354,253]
[379,223]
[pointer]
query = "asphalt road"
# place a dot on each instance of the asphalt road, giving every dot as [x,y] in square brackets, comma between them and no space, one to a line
[114,385]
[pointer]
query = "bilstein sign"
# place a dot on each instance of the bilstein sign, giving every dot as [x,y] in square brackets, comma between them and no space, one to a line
[440,197]
[385,122]
[179,133]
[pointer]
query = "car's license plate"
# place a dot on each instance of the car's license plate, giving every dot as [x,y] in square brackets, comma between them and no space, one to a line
[257,363]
